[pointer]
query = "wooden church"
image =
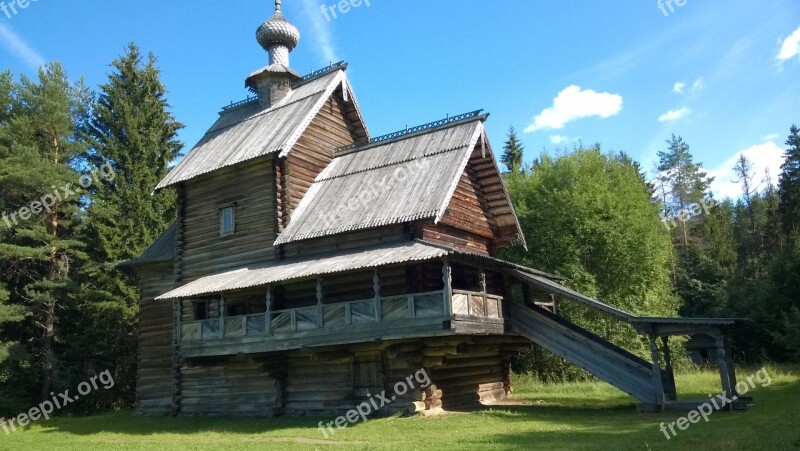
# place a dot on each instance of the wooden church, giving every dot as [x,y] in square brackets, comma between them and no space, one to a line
[312,265]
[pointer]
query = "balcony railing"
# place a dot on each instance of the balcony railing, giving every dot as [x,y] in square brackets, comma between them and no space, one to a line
[477,304]
[326,316]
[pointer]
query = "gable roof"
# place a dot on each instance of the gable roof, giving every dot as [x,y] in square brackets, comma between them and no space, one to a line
[404,179]
[161,251]
[244,132]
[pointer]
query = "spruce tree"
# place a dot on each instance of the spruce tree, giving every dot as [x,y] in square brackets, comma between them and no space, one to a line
[789,186]
[133,131]
[512,152]
[133,134]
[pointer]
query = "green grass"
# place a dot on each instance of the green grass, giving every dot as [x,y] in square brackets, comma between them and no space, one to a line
[584,415]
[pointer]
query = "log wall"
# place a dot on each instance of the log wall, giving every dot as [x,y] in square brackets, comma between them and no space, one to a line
[154,376]
[327,382]
[320,386]
[230,387]
[247,186]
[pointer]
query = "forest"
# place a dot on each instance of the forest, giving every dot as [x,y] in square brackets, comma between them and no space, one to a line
[78,167]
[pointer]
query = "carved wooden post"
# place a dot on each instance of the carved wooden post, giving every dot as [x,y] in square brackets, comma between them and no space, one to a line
[483,290]
[654,354]
[268,314]
[376,287]
[447,278]
[320,310]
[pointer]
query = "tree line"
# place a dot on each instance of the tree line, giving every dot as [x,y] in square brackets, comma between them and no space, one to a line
[663,245]
[77,169]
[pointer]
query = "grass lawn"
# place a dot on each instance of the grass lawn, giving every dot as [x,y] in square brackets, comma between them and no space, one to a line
[556,416]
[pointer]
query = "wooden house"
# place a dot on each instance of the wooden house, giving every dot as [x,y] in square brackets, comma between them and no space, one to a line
[312,265]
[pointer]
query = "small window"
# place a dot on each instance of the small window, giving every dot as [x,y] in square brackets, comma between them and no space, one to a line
[200,310]
[227,222]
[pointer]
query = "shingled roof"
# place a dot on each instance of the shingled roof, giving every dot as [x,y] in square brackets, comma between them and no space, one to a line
[247,131]
[407,178]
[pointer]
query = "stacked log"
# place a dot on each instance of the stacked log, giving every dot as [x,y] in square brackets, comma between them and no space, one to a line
[475,375]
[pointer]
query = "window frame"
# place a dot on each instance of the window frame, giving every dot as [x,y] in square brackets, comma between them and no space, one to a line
[222,209]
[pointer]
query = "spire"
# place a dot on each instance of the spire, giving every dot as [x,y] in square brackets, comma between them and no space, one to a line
[278,37]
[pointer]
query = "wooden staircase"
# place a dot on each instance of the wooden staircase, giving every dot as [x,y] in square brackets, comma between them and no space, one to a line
[594,354]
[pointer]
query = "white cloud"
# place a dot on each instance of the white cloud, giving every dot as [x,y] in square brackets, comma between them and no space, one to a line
[17,47]
[771,137]
[764,157]
[674,115]
[558,139]
[574,103]
[699,84]
[790,47]
[678,88]
[321,31]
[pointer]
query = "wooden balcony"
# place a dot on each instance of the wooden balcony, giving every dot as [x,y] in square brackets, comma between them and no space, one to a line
[381,318]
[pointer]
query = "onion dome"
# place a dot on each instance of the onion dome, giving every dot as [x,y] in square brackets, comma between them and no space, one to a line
[278,32]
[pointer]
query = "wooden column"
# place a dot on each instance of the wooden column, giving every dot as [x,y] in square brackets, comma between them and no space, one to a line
[659,388]
[268,313]
[376,287]
[722,362]
[320,309]
[447,278]
[670,389]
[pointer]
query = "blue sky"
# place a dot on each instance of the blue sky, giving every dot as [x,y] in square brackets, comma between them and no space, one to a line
[724,74]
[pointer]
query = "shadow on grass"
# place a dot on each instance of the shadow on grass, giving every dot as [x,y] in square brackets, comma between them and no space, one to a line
[560,422]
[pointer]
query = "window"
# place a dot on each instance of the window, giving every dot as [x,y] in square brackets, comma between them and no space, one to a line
[200,310]
[227,222]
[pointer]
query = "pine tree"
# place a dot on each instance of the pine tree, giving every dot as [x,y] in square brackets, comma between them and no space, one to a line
[41,193]
[789,186]
[512,152]
[684,182]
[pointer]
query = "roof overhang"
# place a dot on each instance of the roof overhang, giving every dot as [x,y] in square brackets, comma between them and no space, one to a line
[290,270]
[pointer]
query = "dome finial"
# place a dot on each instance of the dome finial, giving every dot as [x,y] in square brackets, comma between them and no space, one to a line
[278,37]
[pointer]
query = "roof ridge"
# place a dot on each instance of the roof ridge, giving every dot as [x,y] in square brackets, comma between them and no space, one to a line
[264,112]
[318,73]
[400,135]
